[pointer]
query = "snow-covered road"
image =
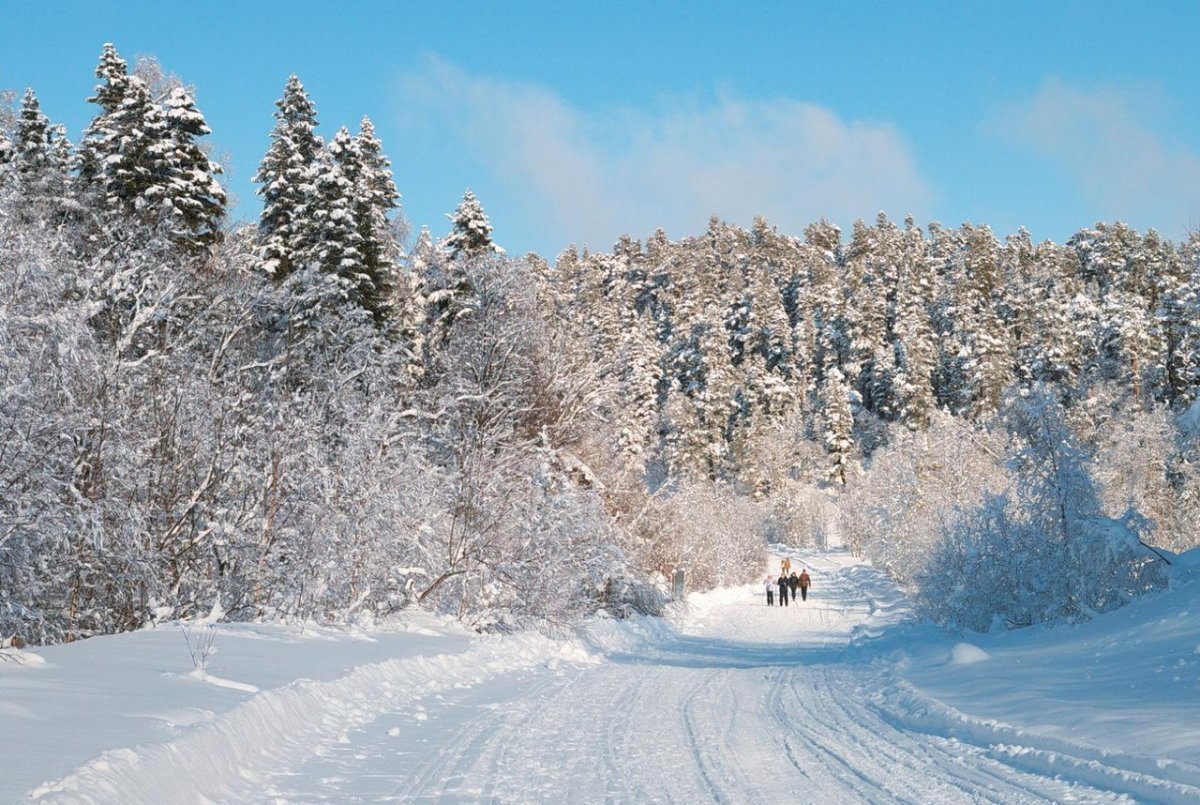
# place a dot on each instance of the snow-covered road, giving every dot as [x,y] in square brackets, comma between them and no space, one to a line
[739,703]
[842,698]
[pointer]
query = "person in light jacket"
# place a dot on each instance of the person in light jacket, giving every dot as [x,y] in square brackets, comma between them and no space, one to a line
[770,585]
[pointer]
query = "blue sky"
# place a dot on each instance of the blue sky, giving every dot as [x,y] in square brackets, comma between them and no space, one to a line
[576,122]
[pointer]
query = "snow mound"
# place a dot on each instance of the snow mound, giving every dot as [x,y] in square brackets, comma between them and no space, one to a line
[967,654]
[229,758]
[16,658]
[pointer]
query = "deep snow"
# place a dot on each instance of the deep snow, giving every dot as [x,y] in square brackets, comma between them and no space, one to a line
[840,698]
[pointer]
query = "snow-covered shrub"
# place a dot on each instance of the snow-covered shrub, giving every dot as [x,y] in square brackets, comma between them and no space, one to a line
[714,534]
[1145,461]
[913,486]
[1047,552]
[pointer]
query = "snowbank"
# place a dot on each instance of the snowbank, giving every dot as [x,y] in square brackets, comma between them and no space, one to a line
[232,756]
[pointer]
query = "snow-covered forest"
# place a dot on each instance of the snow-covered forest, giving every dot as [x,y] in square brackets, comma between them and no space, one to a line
[318,415]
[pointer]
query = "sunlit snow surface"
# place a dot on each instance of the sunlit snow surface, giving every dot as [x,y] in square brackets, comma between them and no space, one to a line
[840,698]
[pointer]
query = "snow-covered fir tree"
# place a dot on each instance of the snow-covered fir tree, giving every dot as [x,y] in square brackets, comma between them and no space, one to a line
[99,141]
[287,175]
[194,200]
[373,197]
[470,233]
[330,247]
[40,155]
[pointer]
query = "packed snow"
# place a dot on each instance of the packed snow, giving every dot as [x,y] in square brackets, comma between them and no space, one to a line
[843,697]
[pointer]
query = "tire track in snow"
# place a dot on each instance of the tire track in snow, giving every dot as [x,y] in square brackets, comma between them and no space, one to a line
[706,767]
[453,762]
[615,745]
[858,751]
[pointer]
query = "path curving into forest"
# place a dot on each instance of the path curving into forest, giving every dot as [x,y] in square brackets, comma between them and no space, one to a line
[736,702]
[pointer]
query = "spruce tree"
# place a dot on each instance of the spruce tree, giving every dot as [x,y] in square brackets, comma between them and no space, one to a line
[99,141]
[41,157]
[286,174]
[194,199]
[471,234]
[334,246]
[137,176]
[449,291]
[33,142]
[373,197]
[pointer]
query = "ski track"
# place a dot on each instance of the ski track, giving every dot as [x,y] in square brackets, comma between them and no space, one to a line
[739,703]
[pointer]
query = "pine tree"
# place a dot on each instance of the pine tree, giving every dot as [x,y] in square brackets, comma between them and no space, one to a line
[99,141]
[33,146]
[915,342]
[1052,326]
[640,372]
[987,342]
[194,199]
[769,348]
[334,246]
[286,175]
[138,175]
[837,424]
[700,400]
[825,298]
[872,277]
[471,234]
[373,197]
[40,154]
[1179,313]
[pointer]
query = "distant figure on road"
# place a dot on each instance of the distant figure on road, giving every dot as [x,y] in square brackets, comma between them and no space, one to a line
[804,581]
[785,565]
[783,588]
[792,582]
[770,585]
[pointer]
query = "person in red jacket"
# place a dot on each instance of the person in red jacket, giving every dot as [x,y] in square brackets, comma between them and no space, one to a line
[805,581]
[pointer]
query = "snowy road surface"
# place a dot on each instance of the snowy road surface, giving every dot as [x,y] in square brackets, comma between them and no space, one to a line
[743,703]
[730,701]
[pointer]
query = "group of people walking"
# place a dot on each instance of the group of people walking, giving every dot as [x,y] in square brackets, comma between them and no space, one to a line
[788,581]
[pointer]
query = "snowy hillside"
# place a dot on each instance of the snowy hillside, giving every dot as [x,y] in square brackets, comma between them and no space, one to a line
[840,698]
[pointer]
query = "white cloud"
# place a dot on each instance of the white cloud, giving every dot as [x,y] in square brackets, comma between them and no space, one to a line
[1105,137]
[589,176]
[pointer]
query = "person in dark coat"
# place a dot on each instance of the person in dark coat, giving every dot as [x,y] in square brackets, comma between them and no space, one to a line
[804,582]
[793,580]
[770,591]
[783,590]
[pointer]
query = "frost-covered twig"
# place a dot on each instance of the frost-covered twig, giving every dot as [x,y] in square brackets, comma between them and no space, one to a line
[200,645]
